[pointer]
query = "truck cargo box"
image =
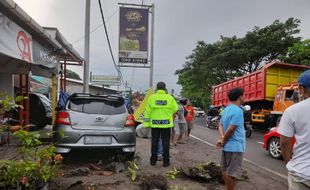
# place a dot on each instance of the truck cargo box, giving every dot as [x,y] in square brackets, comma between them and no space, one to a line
[259,85]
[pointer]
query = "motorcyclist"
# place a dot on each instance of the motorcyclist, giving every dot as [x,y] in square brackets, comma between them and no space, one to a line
[211,113]
[247,119]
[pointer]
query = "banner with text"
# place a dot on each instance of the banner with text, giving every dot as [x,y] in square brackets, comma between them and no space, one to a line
[14,41]
[105,80]
[133,35]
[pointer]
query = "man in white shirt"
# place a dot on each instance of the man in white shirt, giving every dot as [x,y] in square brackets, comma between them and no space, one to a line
[295,122]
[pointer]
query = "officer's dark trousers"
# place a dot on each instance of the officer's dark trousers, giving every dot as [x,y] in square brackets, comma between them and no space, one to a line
[165,135]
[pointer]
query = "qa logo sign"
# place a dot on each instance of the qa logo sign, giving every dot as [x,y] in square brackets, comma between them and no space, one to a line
[23,43]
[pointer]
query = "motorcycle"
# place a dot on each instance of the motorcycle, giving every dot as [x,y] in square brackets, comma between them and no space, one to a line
[213,122]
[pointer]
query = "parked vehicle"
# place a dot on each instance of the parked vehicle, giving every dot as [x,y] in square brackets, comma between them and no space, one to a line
[95,122]
[272,141]
[40,112]
[269,91]
[199,112]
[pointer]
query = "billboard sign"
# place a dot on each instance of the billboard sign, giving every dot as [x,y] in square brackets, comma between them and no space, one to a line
[14,41]
[133,35]
[105,80]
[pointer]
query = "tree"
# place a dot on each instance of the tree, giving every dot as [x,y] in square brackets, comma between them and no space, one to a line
[299,53]
[73,75]
[230,57]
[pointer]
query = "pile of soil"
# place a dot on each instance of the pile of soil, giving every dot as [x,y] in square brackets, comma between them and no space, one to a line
[208,172]
[154,182]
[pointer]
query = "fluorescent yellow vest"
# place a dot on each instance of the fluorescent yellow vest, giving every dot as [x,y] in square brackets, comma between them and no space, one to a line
[159,110]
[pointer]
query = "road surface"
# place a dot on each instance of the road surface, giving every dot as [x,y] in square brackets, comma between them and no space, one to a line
[254,150]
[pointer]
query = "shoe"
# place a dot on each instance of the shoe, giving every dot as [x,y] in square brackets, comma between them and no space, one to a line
[181,142]
[166,164]
[153,163]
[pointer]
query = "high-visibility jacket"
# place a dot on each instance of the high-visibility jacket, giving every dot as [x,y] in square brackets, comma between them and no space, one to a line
[159,110]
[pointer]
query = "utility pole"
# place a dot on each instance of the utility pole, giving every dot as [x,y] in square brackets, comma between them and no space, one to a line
[152,47]
[86,48]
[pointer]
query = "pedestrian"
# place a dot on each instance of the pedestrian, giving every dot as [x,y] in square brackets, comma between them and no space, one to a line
[181,122]
[189,118]
[295,123]
[159,116]
[232,138]
[173,132]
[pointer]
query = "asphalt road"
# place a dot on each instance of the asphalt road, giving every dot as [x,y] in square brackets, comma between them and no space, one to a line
[255,153]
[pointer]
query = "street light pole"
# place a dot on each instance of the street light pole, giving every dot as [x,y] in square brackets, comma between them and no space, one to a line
[152,47]
[86,48]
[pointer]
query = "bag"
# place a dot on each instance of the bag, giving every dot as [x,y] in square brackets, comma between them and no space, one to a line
[185,112]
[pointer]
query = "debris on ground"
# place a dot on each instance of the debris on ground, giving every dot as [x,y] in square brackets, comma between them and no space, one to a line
[83,171]
[173,173]
[93,167]
[79,185]
[209,172]
[110,185]
[106,173]
[115,167]
[154,182]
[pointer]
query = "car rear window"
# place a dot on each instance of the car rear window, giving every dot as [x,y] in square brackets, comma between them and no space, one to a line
[97,106]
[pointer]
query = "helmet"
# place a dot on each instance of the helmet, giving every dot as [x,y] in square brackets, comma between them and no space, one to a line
[247,107]
[304,79]
[211,107]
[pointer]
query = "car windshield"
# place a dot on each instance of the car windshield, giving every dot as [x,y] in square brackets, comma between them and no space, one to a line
[97,106]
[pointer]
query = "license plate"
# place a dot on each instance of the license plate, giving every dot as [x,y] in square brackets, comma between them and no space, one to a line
[97,140]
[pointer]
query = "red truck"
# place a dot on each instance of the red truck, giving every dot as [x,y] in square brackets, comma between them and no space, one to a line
[269,91]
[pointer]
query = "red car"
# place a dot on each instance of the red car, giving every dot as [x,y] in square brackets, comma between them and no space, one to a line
[272,143]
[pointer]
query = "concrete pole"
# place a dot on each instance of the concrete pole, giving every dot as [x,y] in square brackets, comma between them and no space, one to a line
[86,48]
[152,47]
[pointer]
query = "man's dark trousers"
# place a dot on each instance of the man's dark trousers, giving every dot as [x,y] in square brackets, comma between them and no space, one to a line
[164,133]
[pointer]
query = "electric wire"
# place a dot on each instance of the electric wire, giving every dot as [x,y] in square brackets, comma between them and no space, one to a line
[96,28]
[109,43]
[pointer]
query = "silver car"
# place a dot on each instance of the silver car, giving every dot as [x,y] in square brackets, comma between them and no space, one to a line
[95,121]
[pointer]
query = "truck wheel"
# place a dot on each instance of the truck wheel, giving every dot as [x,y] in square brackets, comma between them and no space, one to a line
[274,148]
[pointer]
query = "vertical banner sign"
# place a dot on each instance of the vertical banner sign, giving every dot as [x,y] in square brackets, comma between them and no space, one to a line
[133,35]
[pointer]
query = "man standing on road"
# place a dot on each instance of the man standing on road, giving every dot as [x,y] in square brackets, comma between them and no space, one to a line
[181,122]
[232,138]
[159,116]
[295,122]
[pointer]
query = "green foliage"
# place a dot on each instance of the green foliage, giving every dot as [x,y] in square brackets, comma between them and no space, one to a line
[299,53]
[172,174]
[72,75]
[7,103]
[132,170]
[38,164]
[230,57]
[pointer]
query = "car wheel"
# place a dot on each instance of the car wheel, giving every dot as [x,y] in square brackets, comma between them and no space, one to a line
[274,148]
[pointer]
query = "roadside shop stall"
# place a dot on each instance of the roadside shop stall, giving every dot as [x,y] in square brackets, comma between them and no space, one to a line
[28,49]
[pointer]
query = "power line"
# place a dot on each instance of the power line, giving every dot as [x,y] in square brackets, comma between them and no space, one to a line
[109,43]
[95,29]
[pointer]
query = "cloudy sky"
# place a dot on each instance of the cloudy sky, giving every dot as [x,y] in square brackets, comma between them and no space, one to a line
[179,24]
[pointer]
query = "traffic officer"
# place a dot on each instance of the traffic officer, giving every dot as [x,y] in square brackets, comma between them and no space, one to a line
[159,116]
